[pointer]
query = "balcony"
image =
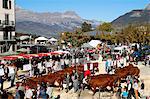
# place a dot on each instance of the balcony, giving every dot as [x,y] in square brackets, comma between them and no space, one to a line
[7,25]
[8,39]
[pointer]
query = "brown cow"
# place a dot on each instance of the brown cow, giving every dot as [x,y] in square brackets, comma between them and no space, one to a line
[102,81]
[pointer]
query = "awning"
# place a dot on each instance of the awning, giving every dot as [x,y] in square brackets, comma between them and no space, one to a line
[11,57]
[23,50]
[43,54]
[53,40]
[9,53]
[29,56]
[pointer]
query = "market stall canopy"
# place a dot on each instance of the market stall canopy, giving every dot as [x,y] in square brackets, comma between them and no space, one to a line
[52,40]
[86,45]
[91,51]
[29,56]
[11,57]
[43,54]
[94,43]
[8,53]
[59,52]
[41,39]
[23,50]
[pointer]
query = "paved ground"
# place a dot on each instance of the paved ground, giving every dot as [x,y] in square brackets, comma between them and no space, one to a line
[145,75]
[87,94]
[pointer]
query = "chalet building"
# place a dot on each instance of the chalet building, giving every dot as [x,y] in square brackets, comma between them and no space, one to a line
[7,25]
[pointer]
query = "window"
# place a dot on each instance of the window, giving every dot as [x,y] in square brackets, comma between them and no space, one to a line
[9,4]
[6,19]
[5,4]
[10,35]
[5,36]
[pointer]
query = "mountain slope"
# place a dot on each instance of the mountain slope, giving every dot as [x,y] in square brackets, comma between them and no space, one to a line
[48,24]
[134,17]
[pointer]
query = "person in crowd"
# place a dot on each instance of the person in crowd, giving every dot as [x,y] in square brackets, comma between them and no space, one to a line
[62,62]
[42,94]
[28,93]
[75,80]
[121,61]
[124,94]
[85,83]
[44,63]
[55,67]
[136,59]
[41,68]
[87,73]
[38,90]
[108,65]
[142,87]
[66,60]
[67,81]
[130,89]
[6,71]
[20,92]
[12,74]
[2,74]
[145,60]
[135,86]
[49,91]
[85,66]
[91,68]
[21,87]
[88,57]
[35,69]
[75,83]
[4,94]
[49,66]
[114,63]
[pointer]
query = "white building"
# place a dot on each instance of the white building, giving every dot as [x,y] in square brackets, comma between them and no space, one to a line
[7,25]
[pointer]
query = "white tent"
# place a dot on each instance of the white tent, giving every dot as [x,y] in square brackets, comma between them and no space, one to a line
[24,37]
[52,40]
[41,39]
[86,45]
[94,43]
[23,50]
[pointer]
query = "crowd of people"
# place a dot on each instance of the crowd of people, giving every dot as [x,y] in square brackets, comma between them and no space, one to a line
[127,88]
[131,87]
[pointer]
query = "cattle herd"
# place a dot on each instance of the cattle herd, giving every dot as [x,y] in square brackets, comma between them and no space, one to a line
[101,81]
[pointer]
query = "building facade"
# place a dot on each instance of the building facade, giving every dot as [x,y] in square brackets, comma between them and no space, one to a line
[7,25]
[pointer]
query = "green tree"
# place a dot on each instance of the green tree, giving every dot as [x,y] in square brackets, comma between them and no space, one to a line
[86,27]
[105,27]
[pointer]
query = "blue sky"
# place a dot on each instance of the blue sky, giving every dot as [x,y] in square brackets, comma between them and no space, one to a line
[102,10]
